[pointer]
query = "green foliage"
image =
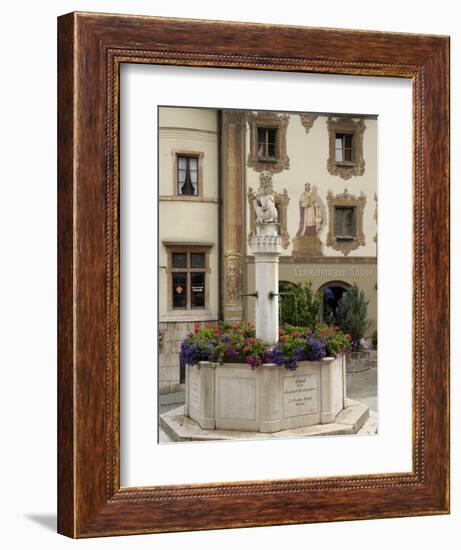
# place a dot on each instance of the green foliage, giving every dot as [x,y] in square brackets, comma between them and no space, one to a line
[211,342]
[335,341]
[351,315]
[226,341]
[301,307]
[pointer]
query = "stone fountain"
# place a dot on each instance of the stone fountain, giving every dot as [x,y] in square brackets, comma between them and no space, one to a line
[232,398]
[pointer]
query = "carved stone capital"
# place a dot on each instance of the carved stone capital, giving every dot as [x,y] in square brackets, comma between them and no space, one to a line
[234,117]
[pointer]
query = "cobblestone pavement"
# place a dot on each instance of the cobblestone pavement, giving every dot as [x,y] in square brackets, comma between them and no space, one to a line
[169,401]
[362,386]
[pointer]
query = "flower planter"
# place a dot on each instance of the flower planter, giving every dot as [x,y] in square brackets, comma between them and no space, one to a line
[270,398]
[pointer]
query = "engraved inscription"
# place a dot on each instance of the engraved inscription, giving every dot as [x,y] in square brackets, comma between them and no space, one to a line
[300,395]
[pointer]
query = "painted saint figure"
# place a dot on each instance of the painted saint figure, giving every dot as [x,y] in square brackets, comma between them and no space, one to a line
[310,214]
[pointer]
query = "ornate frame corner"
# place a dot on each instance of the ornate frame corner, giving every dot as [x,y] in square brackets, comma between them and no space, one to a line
[91,500]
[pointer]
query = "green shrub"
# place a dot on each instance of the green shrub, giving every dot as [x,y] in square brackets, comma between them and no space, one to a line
[351,315]
[301,307]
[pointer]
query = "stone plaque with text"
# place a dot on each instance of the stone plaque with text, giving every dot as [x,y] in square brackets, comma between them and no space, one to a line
[300,395]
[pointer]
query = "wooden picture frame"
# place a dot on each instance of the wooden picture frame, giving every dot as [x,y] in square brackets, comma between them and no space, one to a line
[92,48]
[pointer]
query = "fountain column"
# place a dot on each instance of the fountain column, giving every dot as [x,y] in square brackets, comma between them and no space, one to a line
[266,245]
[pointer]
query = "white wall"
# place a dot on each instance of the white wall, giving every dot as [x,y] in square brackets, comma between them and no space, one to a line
[28,275]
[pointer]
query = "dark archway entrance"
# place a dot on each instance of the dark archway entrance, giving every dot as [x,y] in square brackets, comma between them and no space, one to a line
[331,293]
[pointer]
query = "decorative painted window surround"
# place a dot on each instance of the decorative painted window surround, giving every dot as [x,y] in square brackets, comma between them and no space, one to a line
[346,200]
[341,128]
[272,121]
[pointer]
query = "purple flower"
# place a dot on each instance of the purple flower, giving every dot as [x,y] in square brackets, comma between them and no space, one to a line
[316,349]
[250,360]
[267,356]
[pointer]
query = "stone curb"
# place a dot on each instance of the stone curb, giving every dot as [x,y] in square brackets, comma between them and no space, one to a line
[354,419]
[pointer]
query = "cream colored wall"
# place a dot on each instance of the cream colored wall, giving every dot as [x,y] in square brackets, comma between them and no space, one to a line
[197,221]
[308,154]
[188,221]
[188,130]
[189,118]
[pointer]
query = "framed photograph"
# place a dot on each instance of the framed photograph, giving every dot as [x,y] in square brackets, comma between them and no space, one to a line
[243,340]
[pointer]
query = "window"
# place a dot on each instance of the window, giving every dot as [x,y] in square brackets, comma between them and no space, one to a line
[188,279]
[344,148]
[267,144]
[344,222]
[179,290]
[268,141]
[187,175]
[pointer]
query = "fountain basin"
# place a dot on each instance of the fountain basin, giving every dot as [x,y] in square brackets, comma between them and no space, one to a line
[270,398]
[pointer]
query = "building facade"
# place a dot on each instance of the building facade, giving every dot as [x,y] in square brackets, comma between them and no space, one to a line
[324,176]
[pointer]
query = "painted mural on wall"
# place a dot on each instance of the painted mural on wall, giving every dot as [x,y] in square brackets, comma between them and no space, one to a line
[310,214]
[307,243]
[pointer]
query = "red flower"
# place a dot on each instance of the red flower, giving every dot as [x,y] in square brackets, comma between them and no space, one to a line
[294,334]
[246,349]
